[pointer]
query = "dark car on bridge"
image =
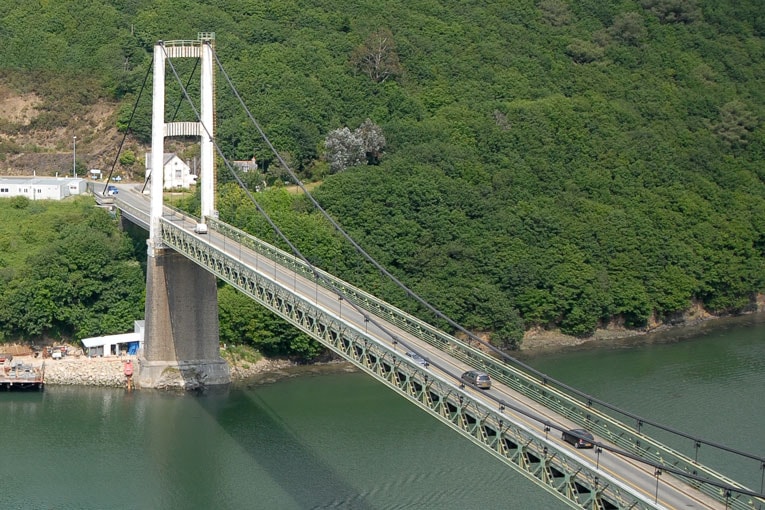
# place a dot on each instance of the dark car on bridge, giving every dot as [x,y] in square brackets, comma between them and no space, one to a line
[478,379]
[580,438]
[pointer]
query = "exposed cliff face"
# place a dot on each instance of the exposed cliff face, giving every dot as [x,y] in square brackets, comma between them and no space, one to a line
[36,137]
[18,108]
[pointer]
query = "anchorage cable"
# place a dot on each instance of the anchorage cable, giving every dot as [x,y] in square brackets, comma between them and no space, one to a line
[127,128]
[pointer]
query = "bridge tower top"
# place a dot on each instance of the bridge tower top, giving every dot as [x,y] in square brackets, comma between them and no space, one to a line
[201,48]
[202,39]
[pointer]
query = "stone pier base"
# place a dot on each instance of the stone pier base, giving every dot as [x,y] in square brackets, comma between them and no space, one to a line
[181,342]
[185,375]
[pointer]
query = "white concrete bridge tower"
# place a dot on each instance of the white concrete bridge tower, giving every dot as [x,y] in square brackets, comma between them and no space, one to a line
[181,346]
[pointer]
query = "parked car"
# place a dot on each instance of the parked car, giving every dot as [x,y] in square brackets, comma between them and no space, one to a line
[478,379]
[418,359]
[580,438]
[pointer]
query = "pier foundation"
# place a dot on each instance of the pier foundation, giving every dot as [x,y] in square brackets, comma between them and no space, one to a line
[181,345]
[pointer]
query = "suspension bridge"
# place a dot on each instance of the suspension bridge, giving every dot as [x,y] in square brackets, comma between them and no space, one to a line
[519,420]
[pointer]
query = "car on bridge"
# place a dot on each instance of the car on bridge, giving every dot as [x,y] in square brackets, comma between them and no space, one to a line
[418,359]
[580,438]
[478,379]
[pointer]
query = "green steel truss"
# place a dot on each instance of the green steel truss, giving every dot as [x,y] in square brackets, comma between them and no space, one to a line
[631,439]
[532,456]
[571,481]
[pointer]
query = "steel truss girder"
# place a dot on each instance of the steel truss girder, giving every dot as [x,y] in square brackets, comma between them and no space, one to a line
[491,429]
[543,391]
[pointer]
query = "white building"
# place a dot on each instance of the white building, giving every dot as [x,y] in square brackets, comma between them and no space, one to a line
[245,166]
[115,345]
[42,188]
[177,173]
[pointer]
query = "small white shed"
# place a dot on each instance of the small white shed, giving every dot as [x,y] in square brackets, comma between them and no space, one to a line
[114,345]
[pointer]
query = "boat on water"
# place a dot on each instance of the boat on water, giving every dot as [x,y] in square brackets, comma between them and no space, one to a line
[21,376]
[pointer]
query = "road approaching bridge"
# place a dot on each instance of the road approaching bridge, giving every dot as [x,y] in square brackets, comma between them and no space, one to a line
[519,420]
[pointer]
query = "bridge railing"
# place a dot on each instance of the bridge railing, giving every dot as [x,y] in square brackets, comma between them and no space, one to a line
[491,427]
[566,401]
[577,407]
[136,213]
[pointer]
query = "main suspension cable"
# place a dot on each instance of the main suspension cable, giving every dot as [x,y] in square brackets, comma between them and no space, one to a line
[362,312]
[503,355]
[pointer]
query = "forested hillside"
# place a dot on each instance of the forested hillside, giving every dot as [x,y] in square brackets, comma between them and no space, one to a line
[65,272]
[546,162]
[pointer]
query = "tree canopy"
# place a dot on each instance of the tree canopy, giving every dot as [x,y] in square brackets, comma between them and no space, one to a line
[547,163]
[78,276]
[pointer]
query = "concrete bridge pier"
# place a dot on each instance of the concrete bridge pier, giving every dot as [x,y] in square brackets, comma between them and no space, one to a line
[181,347]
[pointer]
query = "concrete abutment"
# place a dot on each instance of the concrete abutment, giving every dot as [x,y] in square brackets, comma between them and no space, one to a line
[181,348]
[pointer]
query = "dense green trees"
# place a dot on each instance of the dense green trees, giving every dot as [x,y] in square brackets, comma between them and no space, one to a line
[244,321]
[78,277]
[547,163]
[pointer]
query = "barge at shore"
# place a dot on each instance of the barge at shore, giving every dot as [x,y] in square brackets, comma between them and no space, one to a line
[21,376]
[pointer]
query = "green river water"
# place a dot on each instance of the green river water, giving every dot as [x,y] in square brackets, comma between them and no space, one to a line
[341,440]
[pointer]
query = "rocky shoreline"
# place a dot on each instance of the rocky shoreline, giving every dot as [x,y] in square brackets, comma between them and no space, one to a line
[80,370]
[110,371]
[692,322]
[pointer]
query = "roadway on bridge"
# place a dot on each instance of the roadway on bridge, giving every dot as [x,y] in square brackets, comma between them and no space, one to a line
[666,490]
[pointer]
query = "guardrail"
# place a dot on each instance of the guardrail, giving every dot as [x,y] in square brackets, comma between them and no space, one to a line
[576,406]
[574,481]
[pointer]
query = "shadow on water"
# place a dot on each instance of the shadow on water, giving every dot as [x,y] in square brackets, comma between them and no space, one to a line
[331,441]
[289,461]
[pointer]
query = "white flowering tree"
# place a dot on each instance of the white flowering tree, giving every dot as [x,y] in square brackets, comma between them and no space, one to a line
[346,148]
[372,141]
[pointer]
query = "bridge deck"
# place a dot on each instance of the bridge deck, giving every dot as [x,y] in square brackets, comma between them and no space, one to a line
[515,425]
